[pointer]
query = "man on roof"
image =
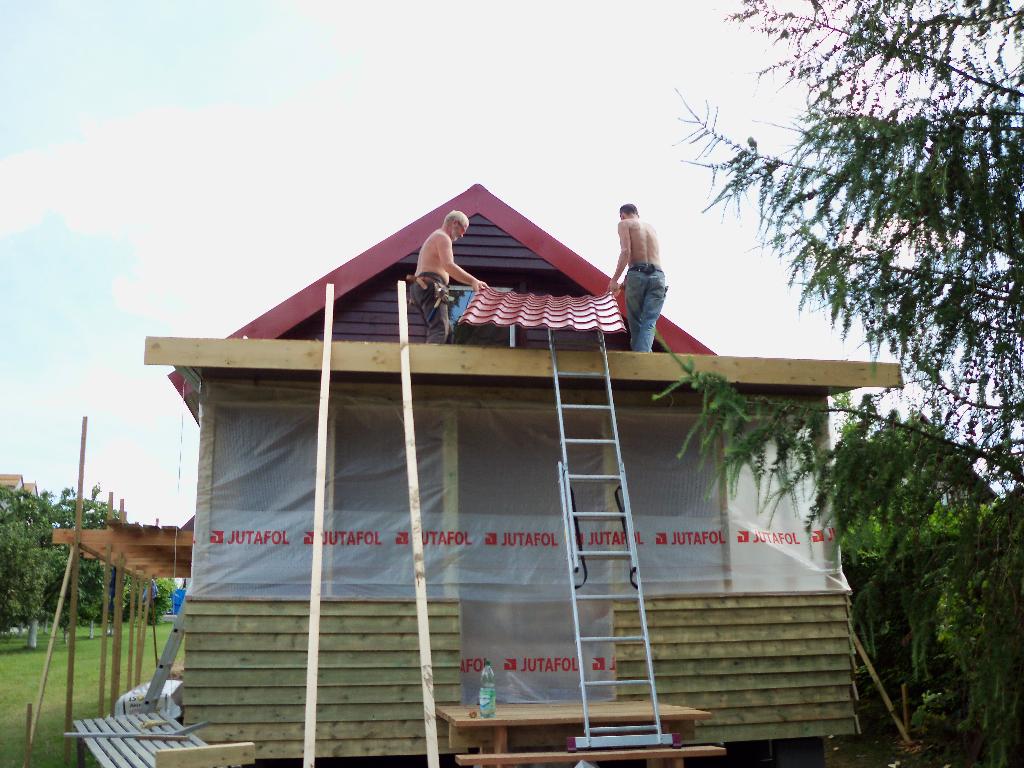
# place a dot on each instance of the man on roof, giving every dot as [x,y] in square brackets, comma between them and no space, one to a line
[645,281]
[435,266]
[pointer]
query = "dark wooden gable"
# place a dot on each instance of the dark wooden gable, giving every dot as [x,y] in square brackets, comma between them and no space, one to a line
[369,312]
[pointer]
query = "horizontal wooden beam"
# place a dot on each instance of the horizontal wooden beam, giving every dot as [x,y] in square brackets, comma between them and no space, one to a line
[364,357]
[149,550]
[127,536]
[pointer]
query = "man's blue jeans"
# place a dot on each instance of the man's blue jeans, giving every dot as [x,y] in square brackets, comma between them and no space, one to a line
[645,296]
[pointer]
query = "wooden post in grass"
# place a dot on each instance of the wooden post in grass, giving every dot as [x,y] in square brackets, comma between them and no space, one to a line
[145,603]
[73,612]
[46,664]
[28,735]
[316,574]
[115,654]
[416,531]
[132,588]
[906,707]
[878,684]
[105,617]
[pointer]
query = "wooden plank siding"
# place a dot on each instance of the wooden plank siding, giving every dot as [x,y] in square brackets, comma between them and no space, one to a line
[369,312]
[245,665]
[767,666]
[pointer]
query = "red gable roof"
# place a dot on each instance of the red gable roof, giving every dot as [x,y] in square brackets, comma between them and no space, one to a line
[475,200]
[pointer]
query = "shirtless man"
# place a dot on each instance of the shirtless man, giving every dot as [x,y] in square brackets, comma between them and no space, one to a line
[645,282]
[435,265]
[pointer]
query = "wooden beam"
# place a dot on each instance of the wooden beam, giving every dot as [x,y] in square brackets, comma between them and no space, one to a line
[145,602]
[445,359]
[105,614]
[316,575]
[881,690]
[73,613]
[46,663]
[132,587]
[673,756]
[209,756]
[115,658]
[416,532]
[97,538]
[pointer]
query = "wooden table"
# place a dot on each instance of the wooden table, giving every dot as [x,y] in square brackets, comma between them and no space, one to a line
[521,727]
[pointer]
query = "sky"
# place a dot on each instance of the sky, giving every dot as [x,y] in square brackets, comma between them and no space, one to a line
[178,168]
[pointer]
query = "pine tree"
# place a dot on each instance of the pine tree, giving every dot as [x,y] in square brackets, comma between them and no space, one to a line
[900,208]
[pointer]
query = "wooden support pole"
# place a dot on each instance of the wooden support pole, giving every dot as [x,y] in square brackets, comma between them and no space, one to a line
[28,736]
[105,614]
[132,586]
[885,697]
[73,612]
[316,574]
[416,531]
[140,629]
[145,603]
[115,657]
[906,706]
[49,655]
[156,654]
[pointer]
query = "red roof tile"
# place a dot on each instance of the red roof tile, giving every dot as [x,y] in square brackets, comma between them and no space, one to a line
[581,313]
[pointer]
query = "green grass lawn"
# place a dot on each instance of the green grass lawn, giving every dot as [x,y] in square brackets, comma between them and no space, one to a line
[20,670]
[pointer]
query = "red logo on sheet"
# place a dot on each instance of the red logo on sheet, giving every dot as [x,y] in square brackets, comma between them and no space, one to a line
[438,538]
[826,534]
[610,538]
[767,537]
[250,537]
[691,538]
[599,664]
[817,535]
[490,539]
[446,538]
[510,665]
[346,538]
[529,539]
[549,664]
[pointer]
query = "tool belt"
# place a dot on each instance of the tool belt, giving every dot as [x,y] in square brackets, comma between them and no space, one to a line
[426,280]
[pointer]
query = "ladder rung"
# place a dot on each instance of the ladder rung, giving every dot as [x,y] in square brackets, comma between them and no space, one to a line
[584,407]
[617,682]
[589,441]
[597,515]
[595,478]
[613,639]
[630,596]
[599,553]
[624,729]
[582,374]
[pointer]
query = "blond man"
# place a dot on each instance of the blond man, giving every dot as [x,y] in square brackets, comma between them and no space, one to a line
[435,266]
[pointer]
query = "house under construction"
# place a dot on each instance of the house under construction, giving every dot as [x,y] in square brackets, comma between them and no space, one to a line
[747,608]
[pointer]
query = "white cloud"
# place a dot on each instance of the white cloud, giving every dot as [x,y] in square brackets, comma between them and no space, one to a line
[558,108]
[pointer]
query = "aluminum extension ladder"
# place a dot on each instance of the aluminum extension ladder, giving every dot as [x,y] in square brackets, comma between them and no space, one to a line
[611,736]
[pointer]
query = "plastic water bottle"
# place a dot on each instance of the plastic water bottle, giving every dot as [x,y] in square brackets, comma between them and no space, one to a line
[488,698]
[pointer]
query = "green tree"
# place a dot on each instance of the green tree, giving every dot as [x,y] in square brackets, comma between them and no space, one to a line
[898,208]
[32,568]
[24,527]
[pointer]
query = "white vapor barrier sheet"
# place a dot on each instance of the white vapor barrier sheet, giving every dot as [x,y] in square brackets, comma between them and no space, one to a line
[492,521]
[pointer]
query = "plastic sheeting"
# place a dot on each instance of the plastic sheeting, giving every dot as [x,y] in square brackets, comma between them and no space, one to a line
[492,523]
